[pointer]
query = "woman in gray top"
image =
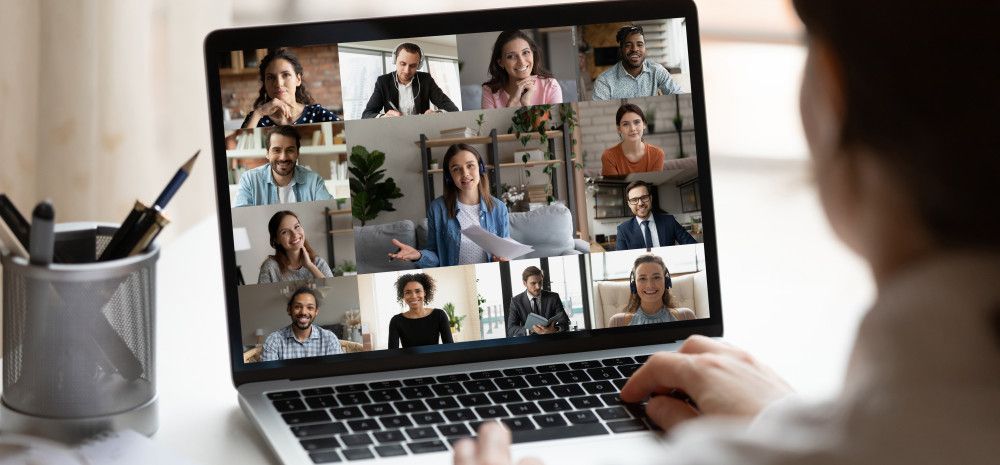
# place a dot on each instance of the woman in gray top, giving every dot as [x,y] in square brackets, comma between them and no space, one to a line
[293,258]
[651,300]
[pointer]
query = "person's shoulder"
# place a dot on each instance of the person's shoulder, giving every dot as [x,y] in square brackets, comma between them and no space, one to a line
[425,75]
[608,73]
[655,149]
[437,205]
[439,313]
[305,174]
[269,262]
[663,216]
[614,150]
[276,336]
[319,261]
[655,67]
[684,313]
[499,205]
[624,224]
[325,333]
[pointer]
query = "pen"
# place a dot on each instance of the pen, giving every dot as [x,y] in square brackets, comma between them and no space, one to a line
[42,239]
[9,242]
[143,223]
[15,222]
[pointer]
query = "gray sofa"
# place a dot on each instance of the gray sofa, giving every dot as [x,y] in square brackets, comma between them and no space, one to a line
[548,229]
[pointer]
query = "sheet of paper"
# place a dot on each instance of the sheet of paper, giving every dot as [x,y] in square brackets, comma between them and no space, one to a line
[498,246]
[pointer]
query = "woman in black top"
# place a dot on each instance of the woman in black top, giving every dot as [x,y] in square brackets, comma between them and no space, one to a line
[419,325]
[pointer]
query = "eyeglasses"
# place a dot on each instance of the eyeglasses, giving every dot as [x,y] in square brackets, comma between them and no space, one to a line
[640,199]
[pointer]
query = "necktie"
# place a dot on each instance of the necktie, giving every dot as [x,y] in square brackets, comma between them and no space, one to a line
[646,235]
[534,305]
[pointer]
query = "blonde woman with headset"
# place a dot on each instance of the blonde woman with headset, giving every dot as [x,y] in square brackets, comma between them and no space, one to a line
[651,300]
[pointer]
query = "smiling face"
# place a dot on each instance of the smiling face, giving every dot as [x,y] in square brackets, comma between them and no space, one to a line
[413,295]
[280,80]
[406,65]
[631,127]
[282,154]
[290,233]
[640,201]
[517,59]
[464,170]
[650,283]
[633,50]
[303,310]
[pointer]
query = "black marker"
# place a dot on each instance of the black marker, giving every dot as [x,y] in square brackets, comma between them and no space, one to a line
[42,237]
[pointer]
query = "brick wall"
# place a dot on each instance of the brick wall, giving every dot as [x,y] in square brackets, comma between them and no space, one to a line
[598,130]
[321,76]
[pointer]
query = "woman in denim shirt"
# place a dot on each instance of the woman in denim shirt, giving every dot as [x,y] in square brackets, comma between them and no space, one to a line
[466,201]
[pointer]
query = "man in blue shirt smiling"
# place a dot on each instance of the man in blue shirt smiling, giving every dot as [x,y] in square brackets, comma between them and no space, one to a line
[281,180]
[633,76]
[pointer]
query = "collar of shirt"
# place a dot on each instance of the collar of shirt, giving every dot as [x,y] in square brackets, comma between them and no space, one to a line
[289,334]
[622,74]
[297,175]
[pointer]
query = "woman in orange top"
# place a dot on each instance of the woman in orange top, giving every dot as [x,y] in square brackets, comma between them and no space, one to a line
[632,155]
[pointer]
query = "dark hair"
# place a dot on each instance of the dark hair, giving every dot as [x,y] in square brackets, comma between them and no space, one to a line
[668,297]
[409,47]
[425,281]
[531,271]
[629,108]
[272,229]
[942,146]
[498,75]
[286,131]
[301,94]
[303,290]
[626,31]
[451,190]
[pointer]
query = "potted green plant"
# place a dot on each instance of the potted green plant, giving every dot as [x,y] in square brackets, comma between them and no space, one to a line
[454,321]
[651,120]
[678,125]
[433,164]
[348,268]
[479,124]
[371,192]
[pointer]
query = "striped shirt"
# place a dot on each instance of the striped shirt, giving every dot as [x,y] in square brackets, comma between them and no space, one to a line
[617,83]
[282,345]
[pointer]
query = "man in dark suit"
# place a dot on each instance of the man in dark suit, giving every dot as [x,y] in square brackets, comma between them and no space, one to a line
[534,299]
[406,91]
[648,229]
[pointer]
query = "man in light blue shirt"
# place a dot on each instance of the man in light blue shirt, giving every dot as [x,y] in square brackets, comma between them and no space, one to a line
[281,180]
[633,76]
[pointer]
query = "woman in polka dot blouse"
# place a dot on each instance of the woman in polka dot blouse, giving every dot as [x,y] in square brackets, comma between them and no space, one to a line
[283,98]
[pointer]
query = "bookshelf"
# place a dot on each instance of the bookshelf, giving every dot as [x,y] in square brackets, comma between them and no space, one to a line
[494,167]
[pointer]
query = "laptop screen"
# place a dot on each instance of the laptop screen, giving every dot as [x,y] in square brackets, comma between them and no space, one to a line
[423,195]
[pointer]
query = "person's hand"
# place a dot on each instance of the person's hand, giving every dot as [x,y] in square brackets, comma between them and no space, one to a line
[276,109]
[529,91]
[392,114]
[522,93]
[430,111]
[491,448]
[306,260]
[498,258]
[720,379]
[539,329]
[405,252]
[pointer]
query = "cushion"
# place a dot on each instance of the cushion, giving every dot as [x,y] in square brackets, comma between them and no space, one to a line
[548,229]
[373,243]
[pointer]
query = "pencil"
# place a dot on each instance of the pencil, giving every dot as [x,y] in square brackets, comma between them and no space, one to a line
[175,183]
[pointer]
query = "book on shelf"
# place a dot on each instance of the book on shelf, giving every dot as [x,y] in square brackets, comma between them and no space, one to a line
[537,193]
[458,132]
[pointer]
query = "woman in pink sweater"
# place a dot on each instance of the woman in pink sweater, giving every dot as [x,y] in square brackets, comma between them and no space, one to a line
[517,77]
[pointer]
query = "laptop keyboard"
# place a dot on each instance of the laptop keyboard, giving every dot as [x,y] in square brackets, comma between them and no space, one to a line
[420,415]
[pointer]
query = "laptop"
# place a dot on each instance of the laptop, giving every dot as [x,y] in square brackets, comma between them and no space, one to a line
[431,222]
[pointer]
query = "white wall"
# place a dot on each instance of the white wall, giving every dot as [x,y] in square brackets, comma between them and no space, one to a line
[265,306]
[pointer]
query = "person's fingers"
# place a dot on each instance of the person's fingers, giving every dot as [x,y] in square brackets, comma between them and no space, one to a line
[667,411]
[530,461]
[494,444]
[465,452]
[663,371]
[699,344]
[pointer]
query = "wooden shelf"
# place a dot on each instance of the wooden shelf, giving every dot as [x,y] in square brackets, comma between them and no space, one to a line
[305,150]
[530,163]
[340,212]
[341,231]
[431,143]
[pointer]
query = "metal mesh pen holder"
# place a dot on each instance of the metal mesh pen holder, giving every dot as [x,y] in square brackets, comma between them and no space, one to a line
[78,345]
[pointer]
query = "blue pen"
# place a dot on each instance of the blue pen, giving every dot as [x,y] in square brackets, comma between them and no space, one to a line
[175,183]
